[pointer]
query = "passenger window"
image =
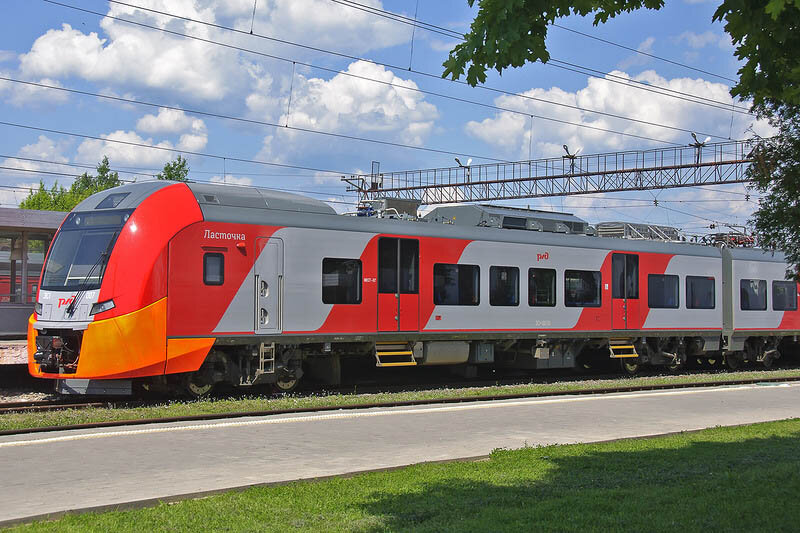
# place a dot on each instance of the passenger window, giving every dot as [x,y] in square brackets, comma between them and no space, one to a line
[784,296]
[700,292]
[213,269]
[662,291]
[541,287]
[582,288]
[341,281]
[503,286]
[753,295]
[456,284]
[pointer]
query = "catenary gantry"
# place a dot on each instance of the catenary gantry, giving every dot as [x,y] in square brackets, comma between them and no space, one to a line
[637,170]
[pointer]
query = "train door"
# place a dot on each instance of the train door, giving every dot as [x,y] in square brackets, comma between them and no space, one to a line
[625,290]
[268,272]
[398,284]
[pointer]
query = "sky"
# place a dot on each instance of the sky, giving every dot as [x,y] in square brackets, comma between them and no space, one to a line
[295,94]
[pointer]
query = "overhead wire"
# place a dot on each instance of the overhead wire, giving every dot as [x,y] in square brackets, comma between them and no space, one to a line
[395,85]
[726,107]
[459,36]
[642,52]
[73,176]
[244,120]
[172,150]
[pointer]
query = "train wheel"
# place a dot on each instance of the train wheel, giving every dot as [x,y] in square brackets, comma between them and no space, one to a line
[675,367]
[198,384]
[284,385]
[733,361]
[768,362]
[630,366]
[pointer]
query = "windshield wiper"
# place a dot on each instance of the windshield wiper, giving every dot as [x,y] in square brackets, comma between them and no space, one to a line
[102,261]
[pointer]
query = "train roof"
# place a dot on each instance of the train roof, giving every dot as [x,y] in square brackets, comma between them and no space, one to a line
[250,205]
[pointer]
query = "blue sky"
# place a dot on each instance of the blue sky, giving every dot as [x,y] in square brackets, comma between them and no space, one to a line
[54,45]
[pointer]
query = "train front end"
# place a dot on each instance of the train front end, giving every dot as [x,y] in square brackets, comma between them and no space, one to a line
[101,311]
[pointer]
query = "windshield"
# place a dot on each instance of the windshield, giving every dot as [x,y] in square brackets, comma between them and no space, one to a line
[80,251]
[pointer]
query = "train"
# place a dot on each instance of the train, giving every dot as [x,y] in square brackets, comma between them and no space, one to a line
[187,286]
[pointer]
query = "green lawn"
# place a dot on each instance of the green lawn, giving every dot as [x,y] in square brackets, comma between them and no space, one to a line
[17,421]
[724,479]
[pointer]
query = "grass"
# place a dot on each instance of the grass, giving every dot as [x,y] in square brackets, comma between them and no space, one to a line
[26,420]
[724,479]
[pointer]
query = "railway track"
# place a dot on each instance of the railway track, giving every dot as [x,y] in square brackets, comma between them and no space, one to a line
[409,384]
[403,403]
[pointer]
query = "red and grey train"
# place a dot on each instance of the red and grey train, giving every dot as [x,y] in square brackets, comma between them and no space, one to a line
[189,284]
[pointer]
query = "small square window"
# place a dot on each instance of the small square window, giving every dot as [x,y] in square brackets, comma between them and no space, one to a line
[213,269]
[112,200]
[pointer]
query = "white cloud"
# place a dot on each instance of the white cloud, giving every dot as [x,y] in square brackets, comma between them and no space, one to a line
[645,46]
[511,131]
[136,56]
[7,55]
[20,94]
[170,121]
[346,103]
[120,154]
[11,197]
[701,40]
[324,24]
[230,179]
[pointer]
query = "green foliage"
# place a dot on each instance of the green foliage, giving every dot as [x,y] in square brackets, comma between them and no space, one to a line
[175,170]
[767,37]
[513,32]
[510,33]
[776,174]
[57,198]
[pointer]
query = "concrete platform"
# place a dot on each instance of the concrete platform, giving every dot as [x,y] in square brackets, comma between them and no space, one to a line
[108,467]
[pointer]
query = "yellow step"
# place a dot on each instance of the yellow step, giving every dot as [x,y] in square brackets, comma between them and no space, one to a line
[394,357]
[620,351]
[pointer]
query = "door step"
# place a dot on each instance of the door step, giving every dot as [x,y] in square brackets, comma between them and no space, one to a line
[393,354]
[621,348]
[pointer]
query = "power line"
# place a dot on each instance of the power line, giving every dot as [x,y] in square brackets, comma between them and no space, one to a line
[456,35]
[644,53]
[247,120]
[500,91]
[649,87]
[339,72]
[173,150]
[73,176]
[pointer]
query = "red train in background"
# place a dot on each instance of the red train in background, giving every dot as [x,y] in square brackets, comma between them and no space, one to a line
[190,285]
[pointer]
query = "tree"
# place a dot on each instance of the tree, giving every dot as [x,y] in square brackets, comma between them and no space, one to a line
[175,170]
[776,174]
[766,34]
[57,198]
[510,33]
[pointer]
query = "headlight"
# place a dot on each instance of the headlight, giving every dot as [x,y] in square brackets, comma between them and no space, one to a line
[99,307]
[37,308]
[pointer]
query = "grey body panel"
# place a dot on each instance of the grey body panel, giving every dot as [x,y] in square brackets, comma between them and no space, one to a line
[137,193]
[209,195]
[428,229]
[268,283]
[742,264]
[54,309]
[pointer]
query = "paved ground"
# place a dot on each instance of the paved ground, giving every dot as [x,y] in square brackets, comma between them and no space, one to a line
[54,472]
